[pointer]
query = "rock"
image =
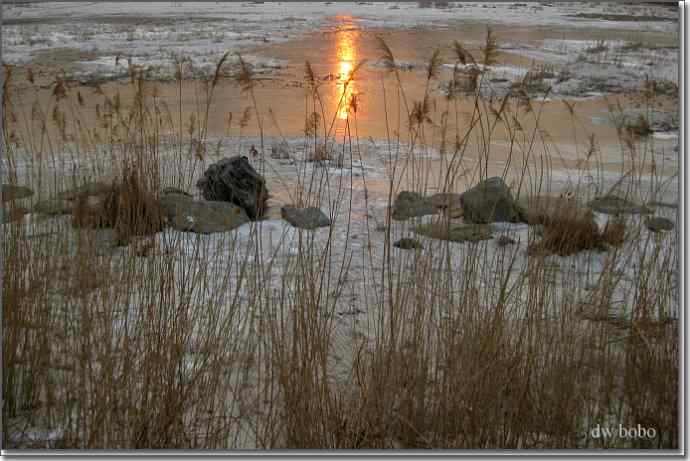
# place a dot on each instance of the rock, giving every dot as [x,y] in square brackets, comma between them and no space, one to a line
[12,192]
[234,180]
[13,214]
[411,205]
[174,190]
[54,207]
[504,240]
[449,202]
[663,205]
[455,232]
[305,218]
[614,205]
[489,201]
[407,244]
[542,209]
[87,190]
[659,224]
[280,151]
[202,217]
[171,202]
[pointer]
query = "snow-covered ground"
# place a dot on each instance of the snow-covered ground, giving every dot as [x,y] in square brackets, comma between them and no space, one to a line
[153,34]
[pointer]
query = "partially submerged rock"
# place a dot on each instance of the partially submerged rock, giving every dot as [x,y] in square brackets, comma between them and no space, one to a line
[204,217]
[443,230]
[411,205]
[612,204]
[234,180]
[489,201]
[305,218]
[659,224]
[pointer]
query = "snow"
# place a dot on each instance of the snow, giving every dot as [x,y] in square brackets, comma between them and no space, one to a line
[151,33]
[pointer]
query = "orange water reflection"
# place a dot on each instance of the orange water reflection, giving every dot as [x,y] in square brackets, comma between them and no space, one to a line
[346,91]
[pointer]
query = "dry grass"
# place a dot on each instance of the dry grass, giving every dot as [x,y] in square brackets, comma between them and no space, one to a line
[210,343]
[639,126]
[615,231]
[570,232]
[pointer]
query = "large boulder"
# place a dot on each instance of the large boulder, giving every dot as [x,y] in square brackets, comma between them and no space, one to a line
[305,218]
[234,180]
[411,205]
[489,201]
[183,213]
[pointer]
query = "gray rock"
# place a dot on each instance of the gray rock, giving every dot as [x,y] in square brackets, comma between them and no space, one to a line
[234,180]
[54,207]
[12,192]
[411,205]
[659,224]
[174,190]
[407,244]
[305,218]
[455,232]
[489,201]
[203,217]
[170,203]
[614,205]
[671,205]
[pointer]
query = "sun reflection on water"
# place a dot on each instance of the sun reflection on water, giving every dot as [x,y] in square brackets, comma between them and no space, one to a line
[346,91]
